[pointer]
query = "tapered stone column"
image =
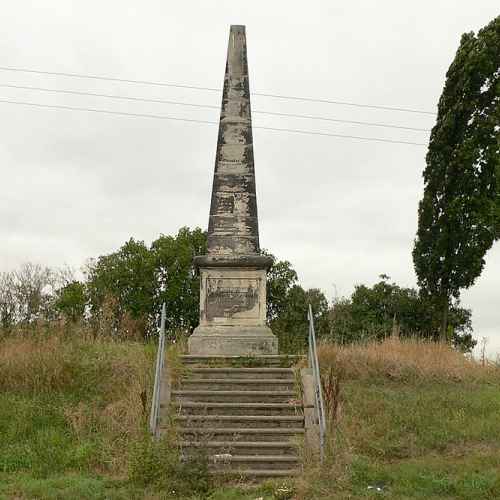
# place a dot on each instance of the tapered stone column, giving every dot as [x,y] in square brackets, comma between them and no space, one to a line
[233,274]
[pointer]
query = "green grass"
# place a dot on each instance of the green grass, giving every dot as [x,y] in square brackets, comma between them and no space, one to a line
[474,475]
[431,441]
[73,425]
[77,486]
[37,437]
[67,486]
[393,421]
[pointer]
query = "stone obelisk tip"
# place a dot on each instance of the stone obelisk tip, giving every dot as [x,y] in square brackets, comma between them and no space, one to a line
[233,226]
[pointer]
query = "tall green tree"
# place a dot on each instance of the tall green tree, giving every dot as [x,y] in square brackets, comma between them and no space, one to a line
[457,215]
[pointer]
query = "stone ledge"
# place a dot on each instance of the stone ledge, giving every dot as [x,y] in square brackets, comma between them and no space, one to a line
[240,341]
[255,261]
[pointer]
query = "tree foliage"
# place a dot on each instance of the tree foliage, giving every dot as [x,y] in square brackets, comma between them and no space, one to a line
[287,306]
[460,207]
[127,275]
[175,279]
[71,301]
[281,277]
[135,280]
[374,313]
[292,325]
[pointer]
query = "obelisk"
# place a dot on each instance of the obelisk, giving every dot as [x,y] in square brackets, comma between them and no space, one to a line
[233,274]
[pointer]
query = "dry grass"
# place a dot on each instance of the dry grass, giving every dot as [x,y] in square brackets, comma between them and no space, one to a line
[406,359]
[35,365]
[102,387]
[58,361]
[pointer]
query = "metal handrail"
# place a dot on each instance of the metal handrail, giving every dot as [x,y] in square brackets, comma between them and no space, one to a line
[160,365]
[318,390]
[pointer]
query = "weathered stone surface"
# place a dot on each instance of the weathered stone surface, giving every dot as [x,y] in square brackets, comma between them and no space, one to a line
[233,274]
[228,341]
[233,226]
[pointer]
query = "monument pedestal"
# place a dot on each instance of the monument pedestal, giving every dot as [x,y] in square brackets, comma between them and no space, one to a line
[233,307]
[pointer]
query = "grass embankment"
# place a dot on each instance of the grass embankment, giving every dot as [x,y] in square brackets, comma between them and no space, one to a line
[414,420]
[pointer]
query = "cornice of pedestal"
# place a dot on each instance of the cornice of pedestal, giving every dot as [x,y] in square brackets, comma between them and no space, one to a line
[250,261]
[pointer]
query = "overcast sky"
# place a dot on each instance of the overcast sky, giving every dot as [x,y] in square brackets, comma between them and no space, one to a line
[77,185]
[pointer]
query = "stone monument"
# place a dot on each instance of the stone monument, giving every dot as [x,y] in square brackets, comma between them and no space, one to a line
[233,274]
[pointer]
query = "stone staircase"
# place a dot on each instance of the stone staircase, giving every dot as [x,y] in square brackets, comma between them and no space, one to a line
[244,413]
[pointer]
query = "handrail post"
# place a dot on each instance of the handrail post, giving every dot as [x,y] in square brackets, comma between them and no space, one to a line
[160,361]
[318,390]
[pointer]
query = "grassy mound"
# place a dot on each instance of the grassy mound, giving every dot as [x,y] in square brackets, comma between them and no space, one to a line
[407,420]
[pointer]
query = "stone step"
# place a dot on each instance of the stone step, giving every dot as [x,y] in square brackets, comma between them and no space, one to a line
[281,448]
[240,463]
[253,473]
[241,384]
[243,413]
[281,361]
[246,421]
[240,433]
[234,396]
[266,409]
[249,373]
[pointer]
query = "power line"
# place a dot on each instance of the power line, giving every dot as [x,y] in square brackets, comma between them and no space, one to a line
[326,134]
[209,106]
[346,103]
[175,118]
[212,89]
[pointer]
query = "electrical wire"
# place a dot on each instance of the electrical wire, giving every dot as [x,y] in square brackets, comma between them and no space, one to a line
[208,106]
[212,89]
[165,117]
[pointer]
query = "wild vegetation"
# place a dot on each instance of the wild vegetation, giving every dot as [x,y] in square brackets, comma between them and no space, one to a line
[416,419]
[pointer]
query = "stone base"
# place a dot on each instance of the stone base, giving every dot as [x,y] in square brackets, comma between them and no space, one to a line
[232,341]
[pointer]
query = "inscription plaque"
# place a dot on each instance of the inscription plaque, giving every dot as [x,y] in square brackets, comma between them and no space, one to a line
[232,298]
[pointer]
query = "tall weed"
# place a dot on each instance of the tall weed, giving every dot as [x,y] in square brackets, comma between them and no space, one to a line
[402,359]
